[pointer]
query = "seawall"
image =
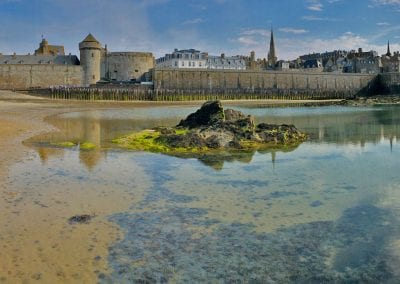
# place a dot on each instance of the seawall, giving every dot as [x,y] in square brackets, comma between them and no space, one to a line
[322,85]
[390,82]
[21,76]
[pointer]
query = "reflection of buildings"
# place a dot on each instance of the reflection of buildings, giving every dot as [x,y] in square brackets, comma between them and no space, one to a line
[45,153]
[353,127]
[91,158]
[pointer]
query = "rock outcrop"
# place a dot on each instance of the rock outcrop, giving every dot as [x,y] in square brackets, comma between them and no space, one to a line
[212,127]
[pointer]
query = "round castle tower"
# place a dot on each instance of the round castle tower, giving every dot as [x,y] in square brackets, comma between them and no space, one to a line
[90,50]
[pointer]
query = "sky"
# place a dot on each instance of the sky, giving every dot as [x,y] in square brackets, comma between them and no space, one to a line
[233,27]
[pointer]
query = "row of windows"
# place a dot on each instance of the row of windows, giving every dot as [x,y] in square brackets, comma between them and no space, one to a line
[189,64]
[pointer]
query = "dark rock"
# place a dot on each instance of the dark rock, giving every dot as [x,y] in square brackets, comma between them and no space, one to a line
[216,128]
[80,219]
[190,140]
[212,127]
[316,203]
[213,142]
[231,114]
[165,130]
[210,113]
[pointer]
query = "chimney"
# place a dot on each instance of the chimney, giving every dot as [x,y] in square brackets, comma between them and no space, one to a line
[223,55]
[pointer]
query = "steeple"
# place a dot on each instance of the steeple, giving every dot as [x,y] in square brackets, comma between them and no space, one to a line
[388,50]
[272,59]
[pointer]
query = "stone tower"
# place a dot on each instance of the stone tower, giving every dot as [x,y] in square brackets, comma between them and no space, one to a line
[272,59]
[90,50]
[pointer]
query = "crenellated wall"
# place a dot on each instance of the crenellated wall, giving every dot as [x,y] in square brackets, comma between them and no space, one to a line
[20,76]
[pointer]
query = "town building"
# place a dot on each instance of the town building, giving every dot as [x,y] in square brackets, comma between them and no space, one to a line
[390,63]
[313,65]
[46,49]
[186,58]
[45,54]
[363,62]
[194,59]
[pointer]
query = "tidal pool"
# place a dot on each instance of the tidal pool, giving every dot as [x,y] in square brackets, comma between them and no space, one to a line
[326,211]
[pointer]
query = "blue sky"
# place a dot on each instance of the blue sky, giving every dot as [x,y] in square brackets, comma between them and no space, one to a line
[217,26]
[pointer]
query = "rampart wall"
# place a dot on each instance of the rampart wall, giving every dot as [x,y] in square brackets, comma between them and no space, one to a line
[20,76]
[391,82]
[167,79]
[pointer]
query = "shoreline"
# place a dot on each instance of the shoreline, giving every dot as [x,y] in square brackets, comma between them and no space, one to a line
[28,252]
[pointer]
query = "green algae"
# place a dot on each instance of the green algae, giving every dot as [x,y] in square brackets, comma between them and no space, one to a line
[65,144]
[149,140]
[87,146]
[70,144]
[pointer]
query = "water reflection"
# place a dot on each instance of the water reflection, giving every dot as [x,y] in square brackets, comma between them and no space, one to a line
[338,125]
[313,214]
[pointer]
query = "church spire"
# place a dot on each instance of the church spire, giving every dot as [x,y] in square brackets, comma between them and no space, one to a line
[272,59]
[388,50]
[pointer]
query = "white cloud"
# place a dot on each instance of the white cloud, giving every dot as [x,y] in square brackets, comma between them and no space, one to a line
[293,30]
[387,2]
[315,5]
[315,18]
[247,40]
[383,24]
[255,32]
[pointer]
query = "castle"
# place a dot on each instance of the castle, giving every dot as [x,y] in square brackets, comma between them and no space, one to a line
[49,66]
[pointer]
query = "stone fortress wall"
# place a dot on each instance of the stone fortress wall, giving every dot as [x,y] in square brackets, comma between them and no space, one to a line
[21,76]
[126,66]
[391,82]
[170,79]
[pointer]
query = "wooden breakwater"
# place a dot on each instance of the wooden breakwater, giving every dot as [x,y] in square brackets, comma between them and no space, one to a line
[148,94]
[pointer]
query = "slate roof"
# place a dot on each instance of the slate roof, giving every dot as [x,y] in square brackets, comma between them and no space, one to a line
[39,59]
[90,38]
[227,62]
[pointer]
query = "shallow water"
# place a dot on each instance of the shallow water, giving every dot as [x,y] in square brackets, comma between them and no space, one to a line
[327,210]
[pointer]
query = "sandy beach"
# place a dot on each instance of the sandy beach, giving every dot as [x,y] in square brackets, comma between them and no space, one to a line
[37,241]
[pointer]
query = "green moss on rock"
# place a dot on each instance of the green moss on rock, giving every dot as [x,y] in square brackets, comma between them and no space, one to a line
[209,129]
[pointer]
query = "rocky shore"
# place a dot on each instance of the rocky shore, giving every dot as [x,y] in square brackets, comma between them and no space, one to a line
[373,100]
[213,128]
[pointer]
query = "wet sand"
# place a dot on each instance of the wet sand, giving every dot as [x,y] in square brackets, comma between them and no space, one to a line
[37,243]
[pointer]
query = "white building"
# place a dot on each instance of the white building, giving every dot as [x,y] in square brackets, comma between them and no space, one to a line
[187,58]
[194,59]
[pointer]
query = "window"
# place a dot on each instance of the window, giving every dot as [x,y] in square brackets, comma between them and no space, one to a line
[183,63]
[92,56]
[190,64]
[176,63]
[94,77]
